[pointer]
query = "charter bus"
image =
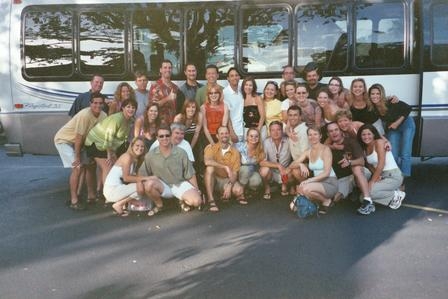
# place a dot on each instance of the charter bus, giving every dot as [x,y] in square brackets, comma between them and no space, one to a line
[51,48]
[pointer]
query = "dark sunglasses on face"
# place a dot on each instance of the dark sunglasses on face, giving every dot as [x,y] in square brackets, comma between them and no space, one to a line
[164,136]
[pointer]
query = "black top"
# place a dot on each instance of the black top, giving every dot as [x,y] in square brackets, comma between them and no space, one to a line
[251,116]
[394,112]
[312,93]
[351,146]
[364,115]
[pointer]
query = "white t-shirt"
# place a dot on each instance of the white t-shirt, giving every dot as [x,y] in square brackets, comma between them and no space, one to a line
[235,101]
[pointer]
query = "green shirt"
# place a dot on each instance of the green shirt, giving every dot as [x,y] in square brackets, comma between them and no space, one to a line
[174,169]
[110,133]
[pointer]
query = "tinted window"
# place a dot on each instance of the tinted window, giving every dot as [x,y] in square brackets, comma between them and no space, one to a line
[379,35]
[156,37]
[265,39]
[48,46]
[439,50]
[211,38]
[322,36]
[101,38]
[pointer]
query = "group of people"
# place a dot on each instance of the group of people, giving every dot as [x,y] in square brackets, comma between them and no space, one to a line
[205,144]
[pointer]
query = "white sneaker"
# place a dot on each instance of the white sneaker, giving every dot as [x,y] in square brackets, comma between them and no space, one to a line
[397,200]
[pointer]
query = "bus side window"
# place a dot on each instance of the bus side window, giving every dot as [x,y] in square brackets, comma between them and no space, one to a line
[322,35]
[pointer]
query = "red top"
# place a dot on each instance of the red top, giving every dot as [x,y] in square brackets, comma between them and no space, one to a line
[214,115]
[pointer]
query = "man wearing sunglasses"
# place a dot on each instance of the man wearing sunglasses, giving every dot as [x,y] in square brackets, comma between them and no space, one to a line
[173,174]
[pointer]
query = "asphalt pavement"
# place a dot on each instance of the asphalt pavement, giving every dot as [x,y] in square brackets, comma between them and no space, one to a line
[256,251]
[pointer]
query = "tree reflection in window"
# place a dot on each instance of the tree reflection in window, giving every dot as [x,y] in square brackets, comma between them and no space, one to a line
[322,36]
[379,35]
[156,37]
[48,44]
[439,49]
[265,40]
[102,42]
[211,38]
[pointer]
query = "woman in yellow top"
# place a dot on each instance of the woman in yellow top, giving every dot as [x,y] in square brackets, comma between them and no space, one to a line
[272,106]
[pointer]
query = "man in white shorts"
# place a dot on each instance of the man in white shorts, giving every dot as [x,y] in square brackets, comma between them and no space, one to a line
[172,174]
[69,142]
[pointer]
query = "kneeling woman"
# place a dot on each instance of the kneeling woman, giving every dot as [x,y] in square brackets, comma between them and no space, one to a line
[323,185]
[121,183]
[386,176]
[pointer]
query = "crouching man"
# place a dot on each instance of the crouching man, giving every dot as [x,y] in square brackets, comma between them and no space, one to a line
[172,174]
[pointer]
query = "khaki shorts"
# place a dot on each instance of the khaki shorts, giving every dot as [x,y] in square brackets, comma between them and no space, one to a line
[67,153]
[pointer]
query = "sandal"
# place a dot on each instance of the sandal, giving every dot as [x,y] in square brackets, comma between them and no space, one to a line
[241,200]
[123,213]
[155,210]
[284,193]
[77,206]
[184,207]
[325,209]
[92,201]
[212,207]
[267,195]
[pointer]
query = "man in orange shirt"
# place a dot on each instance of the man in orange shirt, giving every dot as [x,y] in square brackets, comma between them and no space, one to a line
[222,163]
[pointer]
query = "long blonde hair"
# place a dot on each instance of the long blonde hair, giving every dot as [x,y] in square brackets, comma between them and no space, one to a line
[381,106]
[140,158]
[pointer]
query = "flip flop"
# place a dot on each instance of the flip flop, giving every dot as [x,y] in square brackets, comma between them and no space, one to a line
[242,201]
[155,211]
[267,195]
[212,207]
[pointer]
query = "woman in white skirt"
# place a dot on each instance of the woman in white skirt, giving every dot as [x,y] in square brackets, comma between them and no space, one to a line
[122,182]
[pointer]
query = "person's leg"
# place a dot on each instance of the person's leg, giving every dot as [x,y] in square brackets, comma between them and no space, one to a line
[394,137]
[244,174]
[187,193]
[238,193]
[104,167]
[407,130]
[383,191]
[316,192]
[74,182]
[361,180]
[154,189]
[209,179]
[90,178]
[266,175]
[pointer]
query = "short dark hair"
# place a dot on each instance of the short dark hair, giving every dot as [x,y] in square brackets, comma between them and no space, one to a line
[295,108]
[165,128]
[274,123]
[96,95]
[140,73]
[130,101]
[232,69]
[212,66]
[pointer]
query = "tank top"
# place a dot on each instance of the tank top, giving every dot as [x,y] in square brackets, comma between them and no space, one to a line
[115,175]
[364,115]
[318,166]
[251,116]
[389,164]
[189,132]
[214,114]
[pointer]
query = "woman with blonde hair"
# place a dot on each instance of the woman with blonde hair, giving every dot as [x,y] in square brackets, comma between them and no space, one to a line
[123,92]
[361,107]
[252,153]
[122,182]
[215,113]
